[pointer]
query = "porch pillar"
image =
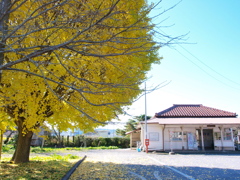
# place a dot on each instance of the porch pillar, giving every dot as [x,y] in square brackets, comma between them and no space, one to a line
[182,138]
[163,137]
[203,149]
[131,136]
[221,128]
[171,145]
[232,139]
[142,136]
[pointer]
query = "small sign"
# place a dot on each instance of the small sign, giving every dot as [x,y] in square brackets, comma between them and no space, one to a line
[147,142]
[190,141]
[210,125]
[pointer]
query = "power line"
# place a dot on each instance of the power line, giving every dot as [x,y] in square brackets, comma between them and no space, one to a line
[204,65]
[205,71]
[209,66]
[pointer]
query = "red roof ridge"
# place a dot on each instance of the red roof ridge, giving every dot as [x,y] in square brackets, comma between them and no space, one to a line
[187,104]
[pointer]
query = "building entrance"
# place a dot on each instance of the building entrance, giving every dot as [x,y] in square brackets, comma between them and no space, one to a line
[207,139]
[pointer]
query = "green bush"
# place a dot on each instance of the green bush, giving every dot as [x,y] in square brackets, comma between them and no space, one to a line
[81,141]
[70,156]
[89,141]
[95,142]
[102,142]
[109,141]
[7,148]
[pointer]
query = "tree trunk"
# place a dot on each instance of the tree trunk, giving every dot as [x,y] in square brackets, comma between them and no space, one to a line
[67,140]
[1,140]
[22,151]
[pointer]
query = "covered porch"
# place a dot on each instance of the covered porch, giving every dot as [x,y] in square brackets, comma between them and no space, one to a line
[194,134]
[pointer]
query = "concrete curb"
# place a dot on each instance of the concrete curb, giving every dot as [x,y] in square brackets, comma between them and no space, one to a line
[69,173]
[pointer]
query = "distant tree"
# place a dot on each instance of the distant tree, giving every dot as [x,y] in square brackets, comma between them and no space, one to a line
[57,133]
[131,124]
[141,118]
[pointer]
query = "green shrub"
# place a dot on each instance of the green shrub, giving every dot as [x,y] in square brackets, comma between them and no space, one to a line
[95,142]
[70,156]
[6,148]
[81,141]
[89,141]
[102,142]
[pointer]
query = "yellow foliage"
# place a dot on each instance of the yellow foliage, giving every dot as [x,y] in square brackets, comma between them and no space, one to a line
[5,122]
[107,52]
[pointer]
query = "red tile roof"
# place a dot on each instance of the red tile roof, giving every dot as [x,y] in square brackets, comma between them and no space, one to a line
[193,110]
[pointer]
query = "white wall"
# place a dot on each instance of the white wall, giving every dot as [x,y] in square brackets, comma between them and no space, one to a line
[155,137]
[154,134]
[177,145]
[156,129]
[227,144]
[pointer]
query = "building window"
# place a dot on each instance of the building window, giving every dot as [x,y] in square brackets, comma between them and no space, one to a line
[217,136]
[177,136]
[227,134]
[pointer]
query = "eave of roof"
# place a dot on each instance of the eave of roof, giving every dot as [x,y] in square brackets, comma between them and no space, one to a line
[194,121]
[136,130]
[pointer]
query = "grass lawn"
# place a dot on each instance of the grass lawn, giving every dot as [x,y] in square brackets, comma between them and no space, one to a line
[45,167]
[48,167]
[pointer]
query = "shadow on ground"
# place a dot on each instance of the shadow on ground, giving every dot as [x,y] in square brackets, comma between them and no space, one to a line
[34,170]
[104,171]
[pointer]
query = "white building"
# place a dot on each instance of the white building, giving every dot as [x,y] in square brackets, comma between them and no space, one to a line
[191,127]
[104,133]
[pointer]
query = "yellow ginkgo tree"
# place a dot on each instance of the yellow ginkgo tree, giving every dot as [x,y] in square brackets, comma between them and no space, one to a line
[71,63]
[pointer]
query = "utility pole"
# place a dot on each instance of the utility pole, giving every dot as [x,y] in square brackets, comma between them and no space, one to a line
[146,137]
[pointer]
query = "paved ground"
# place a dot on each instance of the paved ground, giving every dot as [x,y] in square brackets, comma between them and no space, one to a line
[130,164]
[159,166]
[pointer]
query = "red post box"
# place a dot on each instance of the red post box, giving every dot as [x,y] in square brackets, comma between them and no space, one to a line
[147,144]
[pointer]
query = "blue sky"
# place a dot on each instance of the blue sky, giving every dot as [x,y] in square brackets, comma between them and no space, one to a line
[203,70]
